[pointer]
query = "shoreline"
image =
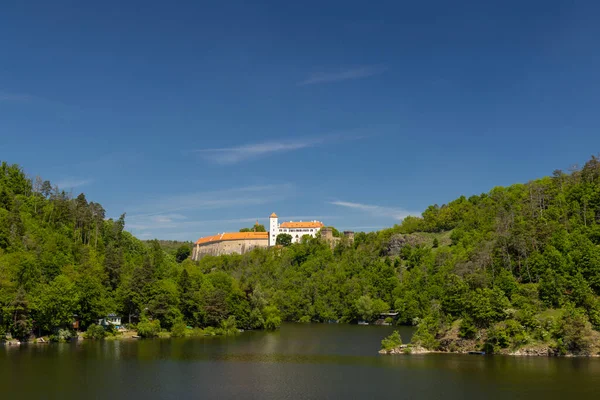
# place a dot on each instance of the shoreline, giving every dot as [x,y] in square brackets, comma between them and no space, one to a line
[522,352]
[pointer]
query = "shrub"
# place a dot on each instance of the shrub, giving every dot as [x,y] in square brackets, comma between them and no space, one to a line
[256,319]
[574,331]
[148,329]
[467,329]
[426,332]
[392,341]
[305,319]
[497,336]
[229,326]
[179,329]
[273,320]
[95,332]
[212,331]
[62,335]
[196,332]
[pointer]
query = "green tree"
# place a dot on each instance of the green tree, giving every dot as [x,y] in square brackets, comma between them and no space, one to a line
[163,302]
[183,252]
[365,307]
[392,341]
[272,317]
[148,329]
[56,304]
[283,239]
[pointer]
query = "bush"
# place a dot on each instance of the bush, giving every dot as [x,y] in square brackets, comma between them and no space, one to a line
[196,332]
[498,336]
[426,332]
[212,331]
[574,331]
[62,335]
[305,319]
[273,320]
[148,329]
[392,341]
[95,332]
[229,326]
[256,319]
[467,329]
[179,329]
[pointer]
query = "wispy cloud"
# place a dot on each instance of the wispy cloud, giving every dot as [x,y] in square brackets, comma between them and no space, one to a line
[162,222]
[375,210]
[344,74]
[235,197]
[15,97]
[233,155]
[365,228]
[237,154]
[169,216]
[73,183]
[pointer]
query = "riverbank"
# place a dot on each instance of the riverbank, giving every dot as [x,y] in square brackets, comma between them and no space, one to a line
[488,341]
[535,351]
[128,335]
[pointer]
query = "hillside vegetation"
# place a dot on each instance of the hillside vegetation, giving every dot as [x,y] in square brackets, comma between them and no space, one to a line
[62,261]
[514,269]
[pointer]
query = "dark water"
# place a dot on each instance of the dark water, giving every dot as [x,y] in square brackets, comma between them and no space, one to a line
[297,362]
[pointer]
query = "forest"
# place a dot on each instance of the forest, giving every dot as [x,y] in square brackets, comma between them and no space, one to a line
[515,267]
[62,261]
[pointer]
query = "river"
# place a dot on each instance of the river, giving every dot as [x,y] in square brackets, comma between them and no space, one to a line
[325,361]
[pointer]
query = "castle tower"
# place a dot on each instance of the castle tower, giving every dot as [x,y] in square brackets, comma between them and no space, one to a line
[273,229]
[349,235]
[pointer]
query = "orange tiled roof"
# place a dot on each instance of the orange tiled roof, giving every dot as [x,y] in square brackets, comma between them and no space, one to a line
[307,224]
[273,215]
[233,236]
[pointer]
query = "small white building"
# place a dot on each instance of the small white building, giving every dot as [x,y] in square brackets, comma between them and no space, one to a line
[111,319]
[295,229]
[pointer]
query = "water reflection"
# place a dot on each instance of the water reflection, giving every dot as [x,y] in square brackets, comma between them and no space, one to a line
[299,361]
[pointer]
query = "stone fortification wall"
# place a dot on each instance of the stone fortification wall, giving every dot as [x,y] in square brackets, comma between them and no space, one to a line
[227,247]
[327,235]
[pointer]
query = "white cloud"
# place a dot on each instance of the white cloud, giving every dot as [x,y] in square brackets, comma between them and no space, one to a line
[375,210]
[344,75]
[15,97]
[72,183]
[365,228]
[235,197]
[233,155]
[166,216]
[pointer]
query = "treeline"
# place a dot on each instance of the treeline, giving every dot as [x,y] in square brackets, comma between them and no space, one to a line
[61,261]
[517,266]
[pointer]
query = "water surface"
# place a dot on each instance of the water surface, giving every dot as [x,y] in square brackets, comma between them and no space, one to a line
[298,361]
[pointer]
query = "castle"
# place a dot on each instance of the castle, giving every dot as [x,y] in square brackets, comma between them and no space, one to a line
[243,242]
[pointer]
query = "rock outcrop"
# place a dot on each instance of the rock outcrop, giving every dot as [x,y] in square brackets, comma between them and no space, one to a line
[398,241]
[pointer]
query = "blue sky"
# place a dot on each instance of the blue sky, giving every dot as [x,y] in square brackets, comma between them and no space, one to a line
[197,117]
